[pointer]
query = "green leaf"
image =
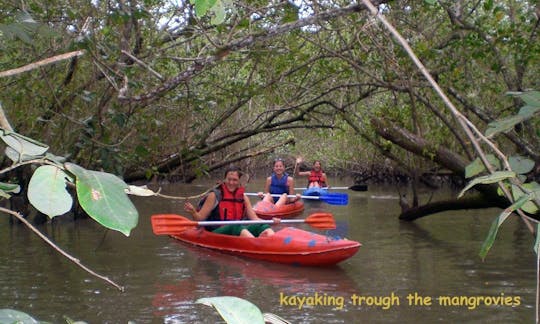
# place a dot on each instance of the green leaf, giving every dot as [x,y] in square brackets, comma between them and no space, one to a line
[534,188]
[14,316]
[4,194]
[490,239]
[47,191]
[23,145]
[476,167]
[234,310]
[102,196]
[537,241]
[529,97]
[17,157]
[492,178]
[520,164]
[10,187]
[527,111]
[202,6]
[431,2]
[219,13]
[503,125]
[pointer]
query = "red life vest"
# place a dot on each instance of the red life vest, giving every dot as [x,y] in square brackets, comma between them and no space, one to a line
[231,205]
[316,176]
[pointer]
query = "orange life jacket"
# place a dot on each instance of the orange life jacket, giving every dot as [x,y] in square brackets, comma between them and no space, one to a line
[231,205]
[316,176]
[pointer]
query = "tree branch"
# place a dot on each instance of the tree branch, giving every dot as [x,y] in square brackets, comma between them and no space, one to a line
[58,249]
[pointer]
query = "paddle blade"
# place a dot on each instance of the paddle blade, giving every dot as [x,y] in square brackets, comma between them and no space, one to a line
[335,198]
[321,220]
[170,224]
[358,187]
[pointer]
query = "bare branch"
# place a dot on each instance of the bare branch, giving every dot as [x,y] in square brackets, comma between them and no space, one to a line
[37,64]
[54,246]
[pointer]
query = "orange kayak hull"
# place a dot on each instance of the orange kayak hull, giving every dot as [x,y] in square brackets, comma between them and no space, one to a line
[289,245]
[266,210]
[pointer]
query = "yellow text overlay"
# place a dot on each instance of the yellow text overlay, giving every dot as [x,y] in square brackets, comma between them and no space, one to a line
[392,300]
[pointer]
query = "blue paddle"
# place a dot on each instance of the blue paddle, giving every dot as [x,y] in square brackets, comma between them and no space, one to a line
[332,198]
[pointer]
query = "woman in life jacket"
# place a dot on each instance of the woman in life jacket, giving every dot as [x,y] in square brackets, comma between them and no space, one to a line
[316,176]
[279,183]
[228,202]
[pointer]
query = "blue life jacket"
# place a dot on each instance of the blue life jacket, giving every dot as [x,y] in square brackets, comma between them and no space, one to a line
[279,186]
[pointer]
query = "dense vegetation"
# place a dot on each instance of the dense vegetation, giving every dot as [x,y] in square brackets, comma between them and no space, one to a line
[161,92]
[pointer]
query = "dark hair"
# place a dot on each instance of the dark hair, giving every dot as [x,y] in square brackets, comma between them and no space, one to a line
[233,168]
[278,160]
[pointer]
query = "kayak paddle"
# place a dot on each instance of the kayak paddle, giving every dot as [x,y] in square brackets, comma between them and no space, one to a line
[332,198]
[171,224]
[356,187]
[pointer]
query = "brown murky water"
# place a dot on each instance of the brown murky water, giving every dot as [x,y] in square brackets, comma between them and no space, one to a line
[426,271]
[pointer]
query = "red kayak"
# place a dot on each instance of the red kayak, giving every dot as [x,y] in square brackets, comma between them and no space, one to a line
[267,210]
[289,245]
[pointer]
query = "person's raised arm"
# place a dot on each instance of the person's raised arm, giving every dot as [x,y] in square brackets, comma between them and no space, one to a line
[297,169]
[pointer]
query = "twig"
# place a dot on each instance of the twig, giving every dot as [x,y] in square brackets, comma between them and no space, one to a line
[159,76]
[51,243]
[37,64]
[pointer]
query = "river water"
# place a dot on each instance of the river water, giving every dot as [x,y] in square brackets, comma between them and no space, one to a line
[425,271]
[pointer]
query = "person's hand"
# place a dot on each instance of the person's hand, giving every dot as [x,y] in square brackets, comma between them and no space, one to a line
[189,207]
[276,220]
[298,196]
[260,194]
[298,160]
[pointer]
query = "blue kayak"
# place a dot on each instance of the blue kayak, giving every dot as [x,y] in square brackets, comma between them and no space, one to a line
[315,191]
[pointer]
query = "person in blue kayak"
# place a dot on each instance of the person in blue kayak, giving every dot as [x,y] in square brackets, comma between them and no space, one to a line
[228,202]
[316,176]
[279,183]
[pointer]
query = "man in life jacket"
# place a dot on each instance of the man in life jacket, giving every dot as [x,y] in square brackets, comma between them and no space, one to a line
[228,202]
[316,176]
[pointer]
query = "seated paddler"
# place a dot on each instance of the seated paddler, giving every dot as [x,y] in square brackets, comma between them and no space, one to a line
[228,202]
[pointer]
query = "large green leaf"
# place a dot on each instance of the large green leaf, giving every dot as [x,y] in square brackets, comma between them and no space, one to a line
[234,310]
[503,125]
[476,167]
[102,196]
[530,97]
[23,144]
[492,178]
[528,111]
[14,316]
[488,242]
[520,164]
[47,191]
[534,189]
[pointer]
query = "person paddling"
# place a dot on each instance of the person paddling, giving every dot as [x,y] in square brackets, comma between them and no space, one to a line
[228,202]
[279,183]
[316,176]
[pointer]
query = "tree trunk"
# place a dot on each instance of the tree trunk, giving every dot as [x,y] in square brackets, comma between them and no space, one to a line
[473,202]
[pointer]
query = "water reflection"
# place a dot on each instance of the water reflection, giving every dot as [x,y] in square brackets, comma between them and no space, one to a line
[218,274]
